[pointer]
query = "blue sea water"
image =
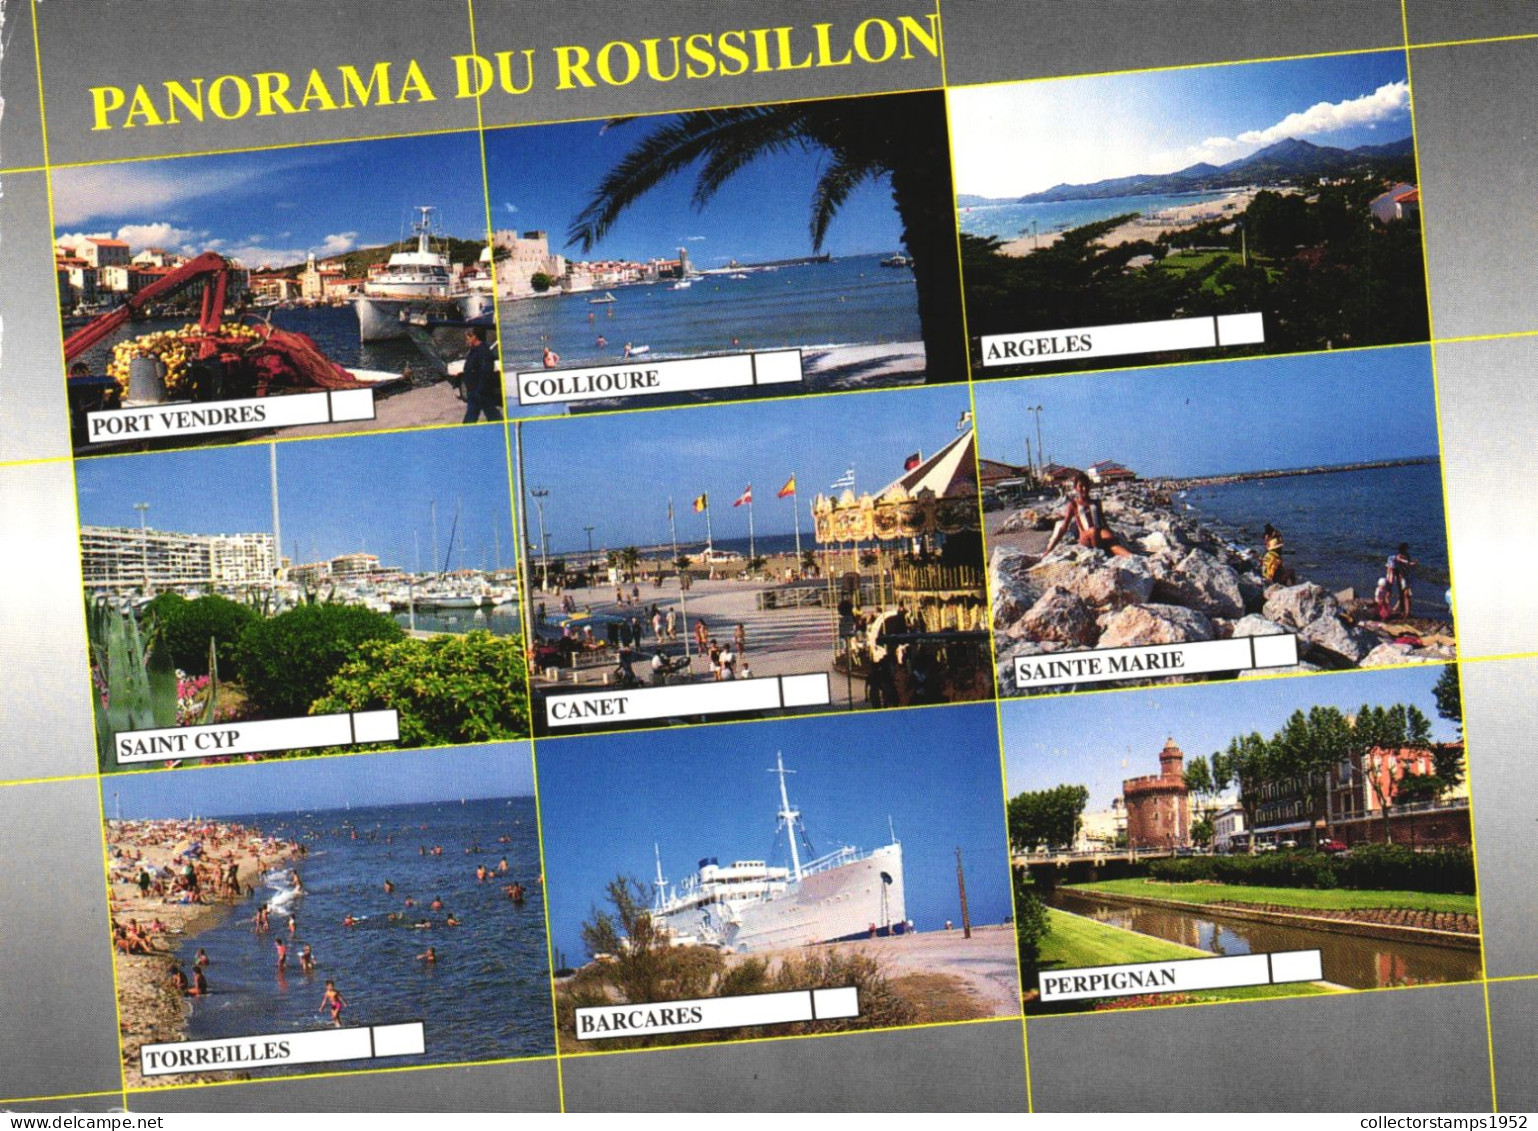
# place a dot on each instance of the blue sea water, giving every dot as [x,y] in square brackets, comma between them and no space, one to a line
[1341,526]
[487,997]
[847,301]
[1013,220]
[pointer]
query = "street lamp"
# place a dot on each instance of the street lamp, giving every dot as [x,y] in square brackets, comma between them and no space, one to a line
[1041,454]
[540,494]
[589,569]
[144,546]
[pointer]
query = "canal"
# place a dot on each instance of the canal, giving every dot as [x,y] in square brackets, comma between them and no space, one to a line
[1348,960]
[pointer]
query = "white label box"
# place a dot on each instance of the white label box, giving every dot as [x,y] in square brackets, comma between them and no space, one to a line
[200,419]
[167,743]
[1206,332]
[1242,653]
[638,376]
[601,1021]
[1182,975]
[643,703]
[367,1042]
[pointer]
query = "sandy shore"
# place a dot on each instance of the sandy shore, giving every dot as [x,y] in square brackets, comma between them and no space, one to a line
[150,1009]
[853,366]
[1148,228]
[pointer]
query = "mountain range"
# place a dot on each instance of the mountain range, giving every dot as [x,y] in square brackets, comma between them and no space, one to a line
[1285,160]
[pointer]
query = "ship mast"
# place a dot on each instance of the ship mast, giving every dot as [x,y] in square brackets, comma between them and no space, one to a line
[788,816]
[659,883]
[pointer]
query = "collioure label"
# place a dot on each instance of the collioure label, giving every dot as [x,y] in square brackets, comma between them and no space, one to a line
[1207,332]
[1203,657]
[156,421]
[601,1021]
[169,743]
[639,377]
[368,1042]
[618,706]
[1224,972]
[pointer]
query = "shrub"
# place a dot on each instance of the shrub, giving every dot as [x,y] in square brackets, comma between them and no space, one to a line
[1032,925]
[285,662]
[1367,867]
[448,689]
[1393,867]
[187,626]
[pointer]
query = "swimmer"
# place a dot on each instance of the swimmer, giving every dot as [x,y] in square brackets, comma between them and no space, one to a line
[349,921]
[388,887]
[179,979]
[431,957]
[451,921]
[282,948]
[334,1002]
[436,904]
[199,983]
[307,959]
[202,959]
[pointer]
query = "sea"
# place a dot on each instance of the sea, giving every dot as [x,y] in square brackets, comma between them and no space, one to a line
[847,301]
[1013,220]
[1341,526]
[488,996]
[335,330]
[503,620]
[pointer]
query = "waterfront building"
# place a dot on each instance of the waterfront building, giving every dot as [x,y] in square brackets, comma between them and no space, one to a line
[1159,806]
[354,565]
[119,558]
[1363,791]
[520,257]
[99,251]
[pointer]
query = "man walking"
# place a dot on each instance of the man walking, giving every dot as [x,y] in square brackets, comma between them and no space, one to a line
[480,380]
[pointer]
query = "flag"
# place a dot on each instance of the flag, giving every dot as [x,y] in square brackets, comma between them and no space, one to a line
[913,461]
[701,503]
[789,489]
[844,480]
[745,498]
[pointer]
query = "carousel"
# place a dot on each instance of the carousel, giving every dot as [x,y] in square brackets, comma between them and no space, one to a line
[915,625]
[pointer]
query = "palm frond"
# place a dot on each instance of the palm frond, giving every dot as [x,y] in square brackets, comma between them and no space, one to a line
[842,176]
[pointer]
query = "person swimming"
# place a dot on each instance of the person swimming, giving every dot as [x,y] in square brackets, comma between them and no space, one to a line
[431,957]
[335,1002]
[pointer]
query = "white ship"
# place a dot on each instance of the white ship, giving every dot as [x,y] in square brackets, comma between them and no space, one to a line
[416,288]
[749,905]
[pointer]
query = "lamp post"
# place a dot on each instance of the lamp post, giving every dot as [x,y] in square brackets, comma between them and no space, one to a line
[144,546]
[1041,452]
[540,494]
[589,569]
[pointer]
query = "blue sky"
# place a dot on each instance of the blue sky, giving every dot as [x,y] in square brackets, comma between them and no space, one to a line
[276,206]
[542,176]
[1230,416]
[335,496]
[1099,740]
[616,473]
[1022,138]
[604,802]
[504,770]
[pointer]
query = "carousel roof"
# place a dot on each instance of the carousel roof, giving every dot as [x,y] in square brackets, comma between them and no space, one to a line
[950,472]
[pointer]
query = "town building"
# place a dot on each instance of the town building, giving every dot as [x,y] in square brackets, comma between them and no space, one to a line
[1159,806]
[120,558]
[99,251]
[1228,832]
[520,257]
[1103,829]
[1401,202]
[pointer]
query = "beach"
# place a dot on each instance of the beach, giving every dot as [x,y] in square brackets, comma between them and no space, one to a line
[1149,227]
[150,1009]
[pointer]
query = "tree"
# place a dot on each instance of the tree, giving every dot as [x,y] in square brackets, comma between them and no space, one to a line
[1247,763]
[1305,750]
[630,559]
[1032,925]
[1048,817]
[541,282]
[286,662]
[1199,782]
[1380,736]
[1202,832]
[901,138]
[1449,697]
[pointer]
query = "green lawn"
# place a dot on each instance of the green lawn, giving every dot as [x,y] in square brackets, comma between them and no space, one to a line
[1075,941]
[1330,899]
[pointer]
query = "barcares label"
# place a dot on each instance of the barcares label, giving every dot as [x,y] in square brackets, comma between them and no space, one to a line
[169,743]
[623,705]
[202,418]
[1046,346]
[367,1042]
[1203,657]
[601,1021]
[639,376]
[1181,975]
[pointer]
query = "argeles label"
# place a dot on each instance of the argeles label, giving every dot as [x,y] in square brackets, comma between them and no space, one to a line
[638,376]
[1207,332]
[1203,657]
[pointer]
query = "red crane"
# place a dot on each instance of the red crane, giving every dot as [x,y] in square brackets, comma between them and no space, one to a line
[210,266]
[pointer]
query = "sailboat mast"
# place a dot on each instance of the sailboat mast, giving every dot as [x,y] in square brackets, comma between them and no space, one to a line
[790,816]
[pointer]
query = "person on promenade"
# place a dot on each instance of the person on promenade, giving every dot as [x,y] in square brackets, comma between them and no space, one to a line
[701,634]
[1402,575]
[480,382]
[740,639]
[1085,517]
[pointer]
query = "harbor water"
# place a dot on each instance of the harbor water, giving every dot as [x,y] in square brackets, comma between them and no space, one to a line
[1340,527]
[1349,960]
[488,996]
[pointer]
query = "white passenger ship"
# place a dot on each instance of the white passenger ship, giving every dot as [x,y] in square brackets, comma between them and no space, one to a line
[749,905]
[416,288]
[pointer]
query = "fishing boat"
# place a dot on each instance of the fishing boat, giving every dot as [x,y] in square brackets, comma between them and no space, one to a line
[608,297]
[749,905]
[415,288]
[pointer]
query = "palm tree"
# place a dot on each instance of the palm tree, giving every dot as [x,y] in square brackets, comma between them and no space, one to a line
[899,137]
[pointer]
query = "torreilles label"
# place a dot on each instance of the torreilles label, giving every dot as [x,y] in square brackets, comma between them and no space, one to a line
[1207,332]
[168,743]
[156,421]
[717,1013]
[616,706]
[1203,657]
[1223,972]
[368,1042]
[638,376]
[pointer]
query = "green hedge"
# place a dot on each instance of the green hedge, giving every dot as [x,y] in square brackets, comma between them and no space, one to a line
[1368,867]
[186,627]
[286,662]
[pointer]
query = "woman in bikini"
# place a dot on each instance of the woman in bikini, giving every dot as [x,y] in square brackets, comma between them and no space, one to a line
[1085,517]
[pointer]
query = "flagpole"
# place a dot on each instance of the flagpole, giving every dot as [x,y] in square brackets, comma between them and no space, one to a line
[751,554]
[795,503]
[683,605]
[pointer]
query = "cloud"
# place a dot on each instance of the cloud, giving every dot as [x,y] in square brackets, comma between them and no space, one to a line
[692,239]
[337,244]
[117,190]
[162,235]
[1389,101]
[509,206]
